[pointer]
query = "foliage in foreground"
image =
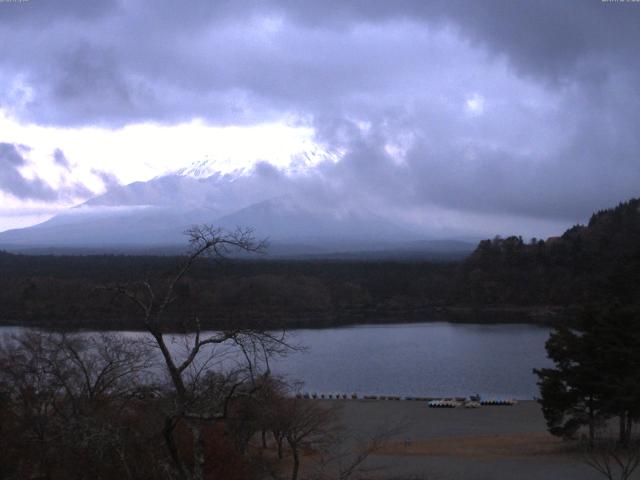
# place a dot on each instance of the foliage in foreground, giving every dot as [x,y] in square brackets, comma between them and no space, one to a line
[97,406]
[186,408]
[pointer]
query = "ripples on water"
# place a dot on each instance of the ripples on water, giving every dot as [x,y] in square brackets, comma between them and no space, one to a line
[434,359]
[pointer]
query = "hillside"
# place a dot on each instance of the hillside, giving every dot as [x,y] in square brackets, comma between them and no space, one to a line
[599,262]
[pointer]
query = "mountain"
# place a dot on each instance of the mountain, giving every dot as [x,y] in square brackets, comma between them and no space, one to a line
[284,220]
[281,220]
[154,214]
[109,227]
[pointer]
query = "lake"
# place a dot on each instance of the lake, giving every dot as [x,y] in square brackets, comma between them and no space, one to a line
[431,359]
[417,359]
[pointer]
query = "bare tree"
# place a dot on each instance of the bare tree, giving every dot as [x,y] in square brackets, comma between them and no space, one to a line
[345,457]
[68,397]
[197,400]
[613,460]
[305,423]
[30,399]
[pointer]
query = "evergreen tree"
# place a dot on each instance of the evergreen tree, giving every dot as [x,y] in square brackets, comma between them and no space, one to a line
[596,374]
[570,392]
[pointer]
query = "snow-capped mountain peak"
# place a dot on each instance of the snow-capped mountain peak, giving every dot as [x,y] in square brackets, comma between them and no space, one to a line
[203,169]
[312,155]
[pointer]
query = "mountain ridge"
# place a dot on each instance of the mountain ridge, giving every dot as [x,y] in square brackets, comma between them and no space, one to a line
[155,214]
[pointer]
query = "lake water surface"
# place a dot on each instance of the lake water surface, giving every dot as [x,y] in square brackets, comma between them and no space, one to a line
[426,359]
[434,359]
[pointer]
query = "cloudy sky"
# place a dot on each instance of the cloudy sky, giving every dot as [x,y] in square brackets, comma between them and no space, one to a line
[510,116]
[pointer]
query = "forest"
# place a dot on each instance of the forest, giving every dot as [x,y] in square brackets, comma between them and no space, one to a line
[504,279]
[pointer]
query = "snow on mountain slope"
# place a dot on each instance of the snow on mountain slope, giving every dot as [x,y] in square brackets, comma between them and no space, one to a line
[206,168]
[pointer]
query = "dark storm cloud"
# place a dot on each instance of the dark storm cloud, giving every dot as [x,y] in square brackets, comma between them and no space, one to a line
[230,62]
[545,37]
[109,62]
[556,136]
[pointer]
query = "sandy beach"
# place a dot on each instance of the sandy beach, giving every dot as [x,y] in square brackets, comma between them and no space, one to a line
[487,443]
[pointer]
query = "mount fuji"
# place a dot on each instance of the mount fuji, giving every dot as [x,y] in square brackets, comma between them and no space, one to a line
[154,214]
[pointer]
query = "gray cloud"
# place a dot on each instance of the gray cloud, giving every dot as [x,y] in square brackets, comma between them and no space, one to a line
[11,155]
[32,13]
[60,159]
[556,137]
[12,181]
[109,180]
[545,37]
[243,61]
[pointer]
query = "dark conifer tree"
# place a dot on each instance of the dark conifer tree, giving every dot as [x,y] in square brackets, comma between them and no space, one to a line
[596,374]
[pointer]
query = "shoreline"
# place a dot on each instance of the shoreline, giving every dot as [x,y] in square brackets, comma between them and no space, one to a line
[547,316]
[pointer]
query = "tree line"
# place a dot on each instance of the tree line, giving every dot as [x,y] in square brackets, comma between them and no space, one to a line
[595,264]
